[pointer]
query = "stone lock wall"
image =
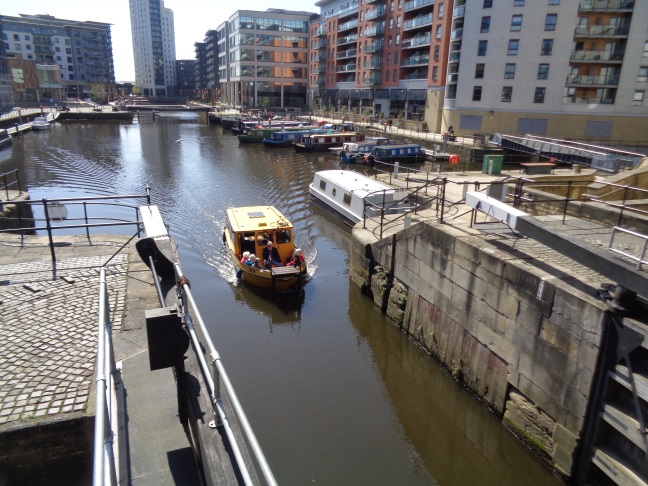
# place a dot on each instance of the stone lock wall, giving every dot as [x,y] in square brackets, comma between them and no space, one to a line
[524,342]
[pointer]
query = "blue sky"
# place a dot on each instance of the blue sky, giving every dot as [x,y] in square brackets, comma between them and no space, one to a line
[192,19]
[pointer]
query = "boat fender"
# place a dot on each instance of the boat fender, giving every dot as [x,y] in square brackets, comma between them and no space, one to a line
[224,237]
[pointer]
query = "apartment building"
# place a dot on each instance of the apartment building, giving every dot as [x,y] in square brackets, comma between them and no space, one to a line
[82,50]
[186,78]
[153,34]
[560,68]
[379,56]
[262,59]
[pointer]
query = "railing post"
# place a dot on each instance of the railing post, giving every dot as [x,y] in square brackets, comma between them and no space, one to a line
[217,422]
[443,189]
[85,216]
[567,199]
[4,179]
[49,237]
[625,195]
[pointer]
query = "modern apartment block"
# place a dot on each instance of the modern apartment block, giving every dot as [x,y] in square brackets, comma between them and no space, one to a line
[380,56]
[262,59]
[568,68]
[186,78]
[81,50]
[153,48]
[560,68]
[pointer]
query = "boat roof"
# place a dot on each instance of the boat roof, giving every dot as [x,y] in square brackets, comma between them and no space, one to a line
[392,147]
[256,218]
[352,181]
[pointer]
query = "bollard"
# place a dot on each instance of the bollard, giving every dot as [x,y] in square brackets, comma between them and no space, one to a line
[396,165]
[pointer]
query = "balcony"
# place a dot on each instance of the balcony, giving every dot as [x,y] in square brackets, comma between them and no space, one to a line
[345,12]
[320,82]
[601,31]
[377,2]
[318,70]
[456,34]
[597,56]
[346,79]
[351,24]
[375,30]
[376,46]
[373,64]
[606,6]
[452,78]
[454,56]
[372,79]
[418,74]
[416,4]
[459,12]
[347,54]
[318,58]
[348,39]
[320,44]
[610,80]
[587,100]
[418,22]
[347,68]
[376,13]
[416,61]
[320,32]
[416,41]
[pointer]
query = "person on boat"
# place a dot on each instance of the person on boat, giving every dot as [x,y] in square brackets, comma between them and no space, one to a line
[297,259]
[271,256]
[257,263]
[246,255]
[250,261]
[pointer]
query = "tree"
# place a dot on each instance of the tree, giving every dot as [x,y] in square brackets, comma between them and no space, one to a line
[97,92]
[137,90]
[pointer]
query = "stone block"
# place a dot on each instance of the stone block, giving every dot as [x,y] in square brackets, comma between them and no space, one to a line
[564,455]
[559,337]
[542,399]
[528,318]
[496,344]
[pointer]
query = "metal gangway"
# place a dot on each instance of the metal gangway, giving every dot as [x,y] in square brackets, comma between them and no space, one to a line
[599,157]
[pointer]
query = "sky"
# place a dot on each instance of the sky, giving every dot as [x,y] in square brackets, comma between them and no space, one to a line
[192,19]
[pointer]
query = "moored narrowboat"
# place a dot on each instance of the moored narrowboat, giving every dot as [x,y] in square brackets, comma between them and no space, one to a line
[352,196]
[404,154]
[284,138]
[321,142]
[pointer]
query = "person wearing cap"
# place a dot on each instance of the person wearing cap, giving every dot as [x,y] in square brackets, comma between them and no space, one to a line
[271,256]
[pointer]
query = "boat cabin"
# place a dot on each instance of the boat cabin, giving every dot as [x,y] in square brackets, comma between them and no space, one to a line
[250,229]
[322,142]
[405,154]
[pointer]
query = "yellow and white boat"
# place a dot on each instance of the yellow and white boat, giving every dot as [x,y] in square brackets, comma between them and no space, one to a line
[249,229]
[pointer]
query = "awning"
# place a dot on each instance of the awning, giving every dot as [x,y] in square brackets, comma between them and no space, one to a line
[397,94]
[416,95]
[381,94]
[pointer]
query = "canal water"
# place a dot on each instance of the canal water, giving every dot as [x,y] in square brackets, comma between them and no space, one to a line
[336,394]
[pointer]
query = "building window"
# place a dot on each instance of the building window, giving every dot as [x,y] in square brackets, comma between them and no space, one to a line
[438,31]
[391,5]
[513,47]
[16,37]
[479,70]
[397,39]
[488,3]
[637,99]
[543,71]
[547,47]
[507,92]
[398,21]
[435,70]
[395,75]
[391,24]
[554,2]
[539,95]
[482,48]
[645,50]
[518,3]
[396,57]
[516,22]
[390,41]
[643,74]
[440,10]
[388,58]
[509,71]
[477,90]
[485,24]
[436,52]
[550,21]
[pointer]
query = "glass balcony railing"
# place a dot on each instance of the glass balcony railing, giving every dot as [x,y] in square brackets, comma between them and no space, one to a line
[610,80]
[421,21]
[347,54]
[596,56]
[417,4]
[416,41]
[601,31]
[605,5]
[415,61]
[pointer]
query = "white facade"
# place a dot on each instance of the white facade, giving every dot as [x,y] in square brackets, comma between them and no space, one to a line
[153,36]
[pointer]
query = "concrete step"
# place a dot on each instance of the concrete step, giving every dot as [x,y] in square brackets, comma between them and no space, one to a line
[616,470]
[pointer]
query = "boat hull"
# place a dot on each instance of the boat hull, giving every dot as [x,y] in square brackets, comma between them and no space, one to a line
[347,219]
[278,280]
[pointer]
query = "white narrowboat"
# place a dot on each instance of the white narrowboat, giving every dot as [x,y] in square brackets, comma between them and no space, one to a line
[352,196]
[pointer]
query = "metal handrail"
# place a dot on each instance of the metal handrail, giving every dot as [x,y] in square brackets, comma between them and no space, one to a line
[104,458]
[215,375]
[6,185]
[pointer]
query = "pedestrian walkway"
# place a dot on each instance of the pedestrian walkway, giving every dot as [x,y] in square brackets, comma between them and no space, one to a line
[48,343]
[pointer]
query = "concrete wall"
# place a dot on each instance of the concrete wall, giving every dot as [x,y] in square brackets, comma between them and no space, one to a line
[524,342]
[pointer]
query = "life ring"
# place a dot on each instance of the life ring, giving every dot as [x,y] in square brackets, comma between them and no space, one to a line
[453,159]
